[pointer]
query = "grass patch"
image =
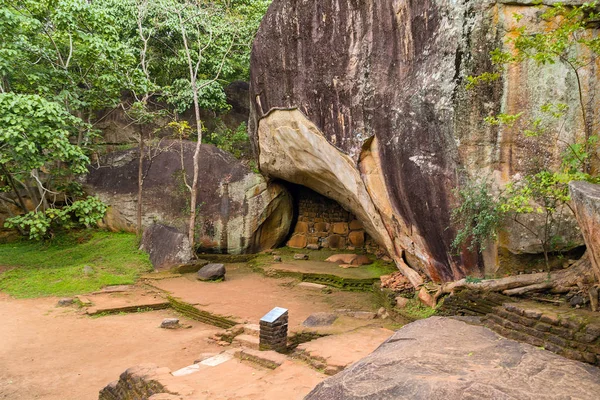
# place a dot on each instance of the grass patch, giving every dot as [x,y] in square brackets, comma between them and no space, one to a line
[416,310]
[56,267]
[380,267]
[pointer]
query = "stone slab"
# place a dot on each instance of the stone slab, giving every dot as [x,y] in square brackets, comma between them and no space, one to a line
[312,286]
[274,314]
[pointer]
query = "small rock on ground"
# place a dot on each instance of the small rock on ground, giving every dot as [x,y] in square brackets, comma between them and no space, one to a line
[300,257]
[320,319]
[65,302]
[277,258]
[313,247]
[170,323]
[401,302]
[211,272]
[382,313]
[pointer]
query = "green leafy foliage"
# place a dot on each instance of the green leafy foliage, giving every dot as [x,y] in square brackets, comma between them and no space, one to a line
[61,62]
[544,189]
[235,142]
[477,216]
[43,224]
[35,132]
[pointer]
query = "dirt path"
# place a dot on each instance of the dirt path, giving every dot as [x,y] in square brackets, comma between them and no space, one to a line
[56,354]
[53,353]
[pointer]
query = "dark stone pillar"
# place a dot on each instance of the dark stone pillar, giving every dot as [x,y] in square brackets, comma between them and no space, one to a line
[273,330]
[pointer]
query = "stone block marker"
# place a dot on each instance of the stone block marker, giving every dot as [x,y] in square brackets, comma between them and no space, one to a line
[273,330]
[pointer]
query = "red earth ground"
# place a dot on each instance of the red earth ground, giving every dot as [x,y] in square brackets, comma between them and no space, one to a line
[55,353]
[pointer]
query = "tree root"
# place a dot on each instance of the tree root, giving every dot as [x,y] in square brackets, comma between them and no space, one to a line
[578,275]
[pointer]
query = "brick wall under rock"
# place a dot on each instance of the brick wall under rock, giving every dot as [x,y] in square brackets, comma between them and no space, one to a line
[570,333]
[324,223]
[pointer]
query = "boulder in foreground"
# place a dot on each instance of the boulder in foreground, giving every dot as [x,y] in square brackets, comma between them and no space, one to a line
[443,358]
[211,272]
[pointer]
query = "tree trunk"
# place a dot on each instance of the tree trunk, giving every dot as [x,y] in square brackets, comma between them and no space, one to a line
[194,194]
[562,281]
[140,183]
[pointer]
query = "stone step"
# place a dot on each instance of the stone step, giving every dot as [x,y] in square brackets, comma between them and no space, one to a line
[267,359]
[207,363]
[247,341]
[252,329]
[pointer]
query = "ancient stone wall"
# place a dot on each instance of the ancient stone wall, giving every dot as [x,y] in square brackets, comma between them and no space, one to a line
[571,334]
[325,223]
[145,381]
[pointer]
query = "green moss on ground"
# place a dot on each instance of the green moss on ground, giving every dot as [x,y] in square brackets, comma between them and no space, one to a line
[56,267]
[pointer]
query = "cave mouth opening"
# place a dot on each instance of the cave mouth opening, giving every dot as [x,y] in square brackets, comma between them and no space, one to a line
[322,223]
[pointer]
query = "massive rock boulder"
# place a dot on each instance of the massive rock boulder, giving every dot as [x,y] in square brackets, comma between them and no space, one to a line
[585,199]
[441,358]
[365,102]
[238,210]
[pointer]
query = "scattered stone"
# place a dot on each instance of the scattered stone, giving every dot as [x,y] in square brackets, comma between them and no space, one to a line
[395,281]
[310,285]
[577,300]
[65,302]
[87,270]
[211,272]
[426,298]
[341,258]
[382,313]
[313,247]
[223,343]
[345,266]
[401,302]
[170,323]
[300,257]
[320,319]
[361,260]
[277,258]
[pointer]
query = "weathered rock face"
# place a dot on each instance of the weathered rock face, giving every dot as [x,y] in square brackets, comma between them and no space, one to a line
[238,211]
[441,358]
[365,102]
[166,246]
[585,199]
